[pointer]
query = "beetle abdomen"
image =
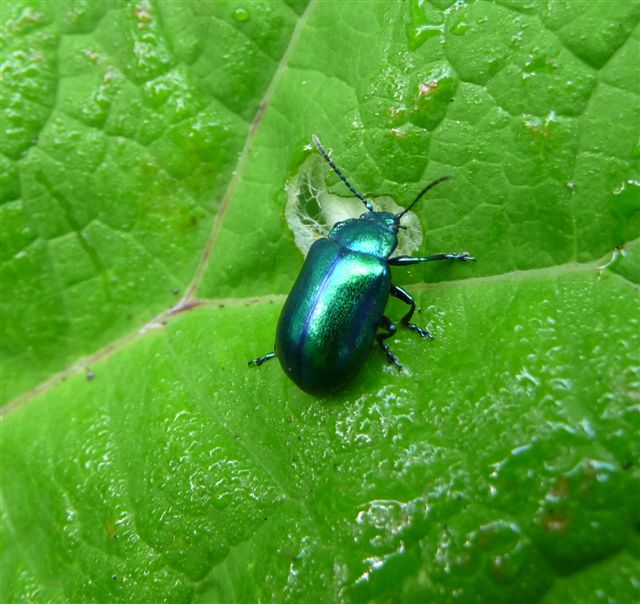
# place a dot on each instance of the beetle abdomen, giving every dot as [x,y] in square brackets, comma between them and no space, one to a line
[330,318]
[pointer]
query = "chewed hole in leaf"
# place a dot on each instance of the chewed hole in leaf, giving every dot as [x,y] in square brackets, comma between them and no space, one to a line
[312,209]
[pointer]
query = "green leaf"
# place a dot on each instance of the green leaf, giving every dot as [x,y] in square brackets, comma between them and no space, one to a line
[149,151]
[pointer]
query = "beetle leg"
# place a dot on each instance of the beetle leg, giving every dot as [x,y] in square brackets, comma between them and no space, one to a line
[407,298]
[385,323]
[262,359]
[407,260]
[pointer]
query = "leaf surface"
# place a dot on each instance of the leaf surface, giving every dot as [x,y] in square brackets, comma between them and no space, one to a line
[146,152]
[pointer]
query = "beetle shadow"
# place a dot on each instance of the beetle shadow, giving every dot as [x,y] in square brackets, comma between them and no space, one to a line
[365,382]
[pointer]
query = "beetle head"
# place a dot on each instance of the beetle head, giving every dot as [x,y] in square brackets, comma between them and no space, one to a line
[374,233]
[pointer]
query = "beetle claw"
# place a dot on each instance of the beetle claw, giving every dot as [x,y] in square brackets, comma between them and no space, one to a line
[423,333]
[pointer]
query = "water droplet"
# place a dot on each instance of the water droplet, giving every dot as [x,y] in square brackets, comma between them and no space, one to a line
[460,28]
[526,376]
[622,186]
[539,64]
[420,28]
[241,14]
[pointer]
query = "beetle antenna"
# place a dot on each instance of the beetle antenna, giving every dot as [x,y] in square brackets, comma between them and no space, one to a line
[343,178]
[432,184]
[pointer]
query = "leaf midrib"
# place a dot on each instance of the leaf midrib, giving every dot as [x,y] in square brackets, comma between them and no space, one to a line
[192,288]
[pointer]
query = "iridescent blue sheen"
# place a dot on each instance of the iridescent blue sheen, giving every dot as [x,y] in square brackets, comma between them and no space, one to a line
[329,321]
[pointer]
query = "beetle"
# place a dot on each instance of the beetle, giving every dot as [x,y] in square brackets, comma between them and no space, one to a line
[336,306]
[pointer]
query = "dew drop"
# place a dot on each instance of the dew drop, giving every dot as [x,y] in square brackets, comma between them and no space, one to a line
[460,28]
[241,14]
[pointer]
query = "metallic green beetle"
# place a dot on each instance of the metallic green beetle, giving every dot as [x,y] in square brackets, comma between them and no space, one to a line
[333,313]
